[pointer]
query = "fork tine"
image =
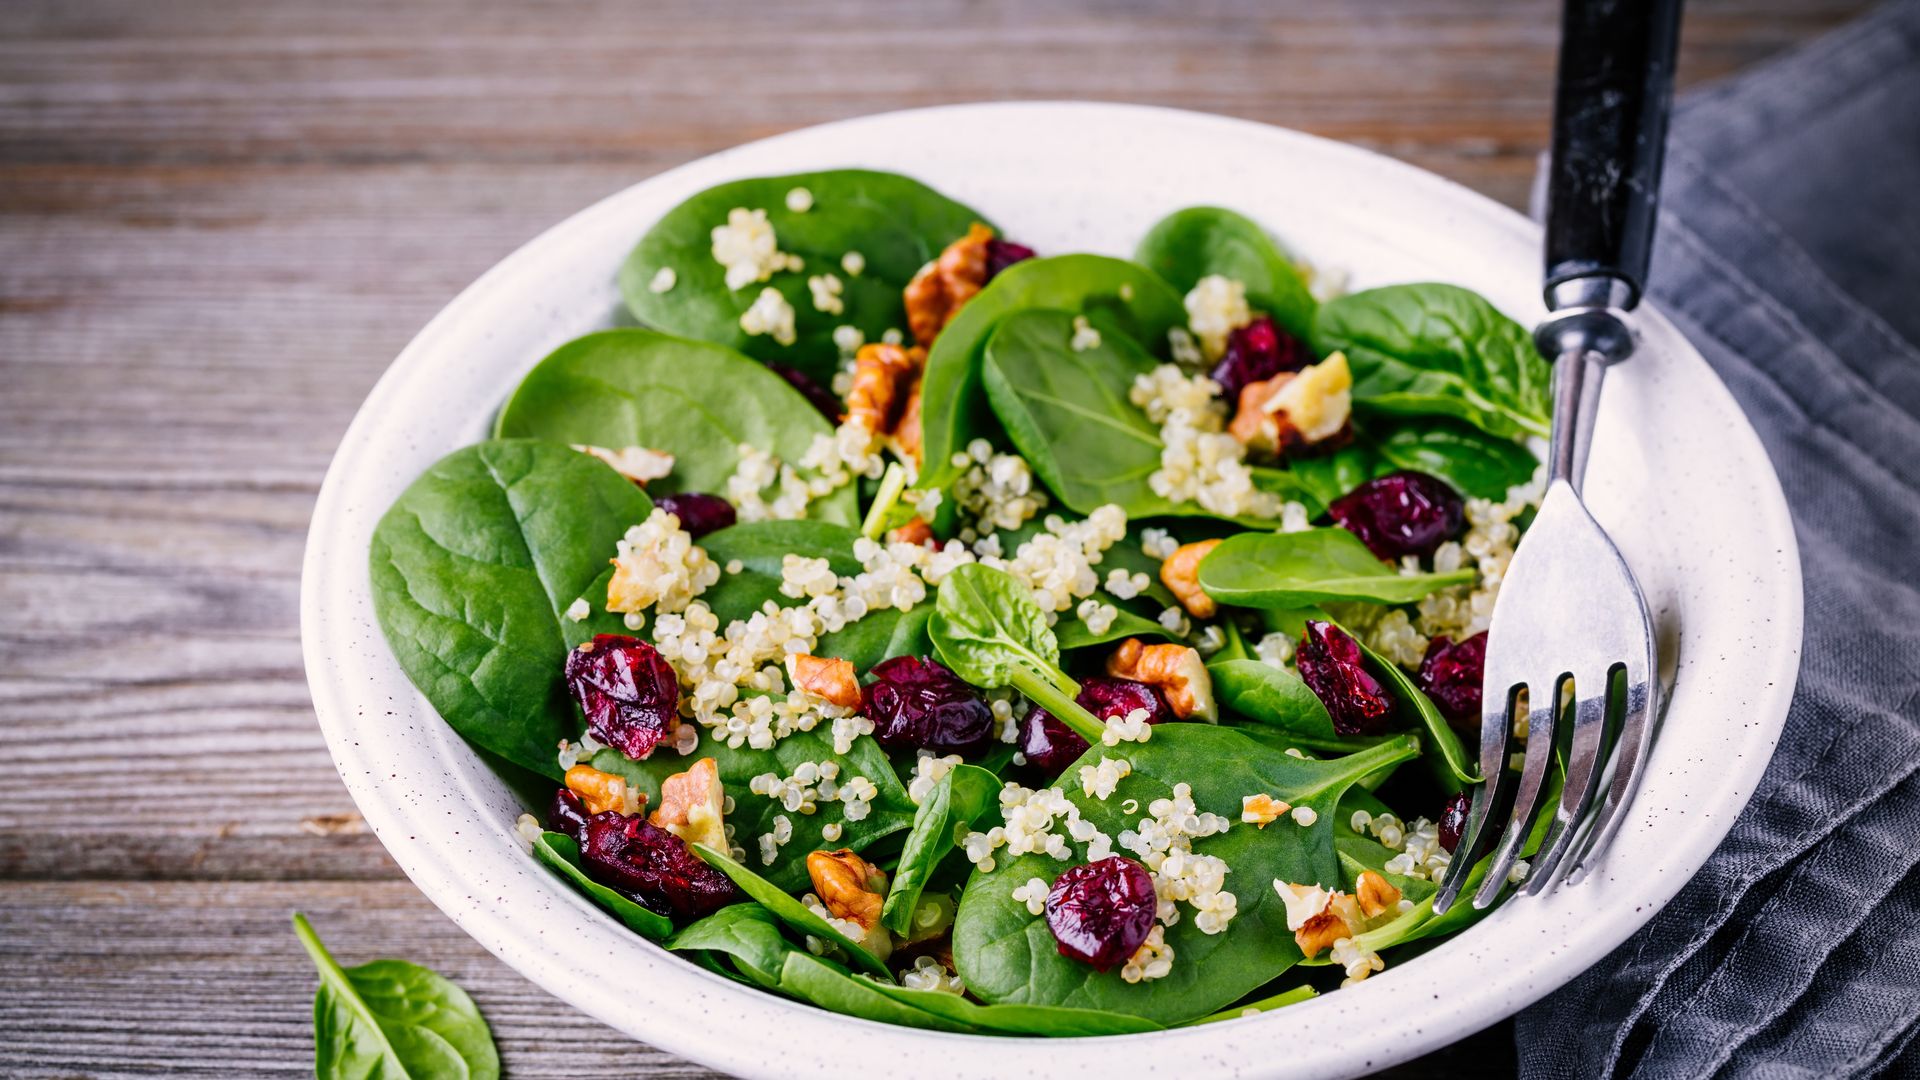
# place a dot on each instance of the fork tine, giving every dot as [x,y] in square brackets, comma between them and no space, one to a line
[1585,764]
[1495,727]
[1629,755]
[1543,713]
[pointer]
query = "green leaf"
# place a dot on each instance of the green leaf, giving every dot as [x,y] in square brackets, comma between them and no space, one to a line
[1418,709]
[987,628]
[960,798]
[1278,698]
[562,853]
[897,224]
[391,1020]
[1253,1008]
[1018,1019]
[1072,633]
[829,986]
[1438,350]
[696,401]
[760,547]
[752,815]
[473,569]
[1129,298]
[747,932]
[1008,956]
[1189,244]
[1475,463]
[788,910]
[1290,570]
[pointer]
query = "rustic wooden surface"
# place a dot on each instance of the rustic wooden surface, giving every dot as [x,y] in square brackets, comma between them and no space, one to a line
[219,221]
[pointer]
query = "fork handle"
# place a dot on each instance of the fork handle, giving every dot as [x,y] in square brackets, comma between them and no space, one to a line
[1609,136]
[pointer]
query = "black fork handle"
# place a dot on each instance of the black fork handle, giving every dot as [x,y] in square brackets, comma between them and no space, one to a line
[1609,136]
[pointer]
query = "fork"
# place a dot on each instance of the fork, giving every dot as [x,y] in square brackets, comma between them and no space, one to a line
[1571,643]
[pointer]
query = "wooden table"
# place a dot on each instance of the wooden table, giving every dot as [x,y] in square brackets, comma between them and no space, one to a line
[219,221]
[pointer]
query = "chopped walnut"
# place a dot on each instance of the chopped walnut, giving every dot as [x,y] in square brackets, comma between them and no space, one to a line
[946,283]
[603,791]
[1375,894]
[1175,670]
[832,679]
[1320,932]
[916,531]
[1262,810]
[691,803]
[1180,573]
[906,433]
[884,378]
[1292,410]
[850,888]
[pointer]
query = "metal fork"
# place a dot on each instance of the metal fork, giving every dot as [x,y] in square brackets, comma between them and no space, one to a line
[1571,625]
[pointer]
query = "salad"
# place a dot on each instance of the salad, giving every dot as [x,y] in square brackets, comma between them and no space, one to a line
[943,633]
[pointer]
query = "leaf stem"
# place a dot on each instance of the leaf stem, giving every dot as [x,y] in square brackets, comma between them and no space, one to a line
[891,485]
[1059,701]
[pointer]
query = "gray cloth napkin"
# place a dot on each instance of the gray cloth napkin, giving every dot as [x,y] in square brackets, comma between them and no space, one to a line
[1789,252]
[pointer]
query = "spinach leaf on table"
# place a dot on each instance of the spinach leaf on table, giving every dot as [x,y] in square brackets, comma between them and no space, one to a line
[961,798]
[1008,955]
[896,223]
[1433,349]
[391,1020]
[473,569]
[752,815]
[562,853]
[1291,570]
[1189,244]
[793,913]
[694,400]
[1129,298]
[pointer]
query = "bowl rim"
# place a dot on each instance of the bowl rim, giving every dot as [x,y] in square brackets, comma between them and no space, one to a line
[336,622]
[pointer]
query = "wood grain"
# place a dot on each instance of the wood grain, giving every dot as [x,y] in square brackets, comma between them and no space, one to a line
[219,222]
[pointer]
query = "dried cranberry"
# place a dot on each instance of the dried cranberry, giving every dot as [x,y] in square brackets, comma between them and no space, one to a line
[1453,820]
[1335,670]
[629,693]
[1451,674]
[1050,746]
[1004,253]
[1403,513]
[567,815]
[818,396]
[1100,912]
[699,512]
[1256,352]
[653,867]
[919,704]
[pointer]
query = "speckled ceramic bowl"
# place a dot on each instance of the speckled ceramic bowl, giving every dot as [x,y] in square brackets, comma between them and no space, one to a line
[1673,460]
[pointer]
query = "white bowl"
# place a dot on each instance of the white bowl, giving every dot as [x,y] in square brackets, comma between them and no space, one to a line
[1677,477]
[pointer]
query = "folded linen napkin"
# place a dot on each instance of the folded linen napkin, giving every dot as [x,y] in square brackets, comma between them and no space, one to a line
[1789,252]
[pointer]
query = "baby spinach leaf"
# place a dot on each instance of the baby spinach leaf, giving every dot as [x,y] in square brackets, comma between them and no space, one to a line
[752,815]
[473,569]
[1475,463]
[792,912]
[828,985]
[1417,709]
[1254,1008]
[760,547]
[897,224]
[960,798]
[1289,570]
[1018,1019]
[1008,956]
[746,932]
[1189,244]
[987,628]
[562,853]
[1432,349]
[1275,696]
[1129,298]
[1072,633]
[391,1020]
[696,401]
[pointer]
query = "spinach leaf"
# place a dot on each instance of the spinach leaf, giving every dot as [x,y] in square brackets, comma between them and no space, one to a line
[1290,570]
[752,815]
[473,568]
[960,798]
[1277,697]
[391,1020]
[788,910]
[1129,298]
[1254,1008]
[1330,476]
[562,853]
[696,401]
[1473,462]
[828,985]
[746,932]
[1189,244]
[987,628]
[1018,1019]
[897,224]
[1458,770]
[1008,956]
[1072,633]
[1432,349]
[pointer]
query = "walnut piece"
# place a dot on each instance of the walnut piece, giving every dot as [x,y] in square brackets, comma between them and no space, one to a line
[1180,573]
[603,791]
[1175,670]
[832,679]
[1375,894]
[916,531]
[850,888]
[946,283]
[884,378]
[691,803]
[1321,932]
[1262,810]
[1293,410]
